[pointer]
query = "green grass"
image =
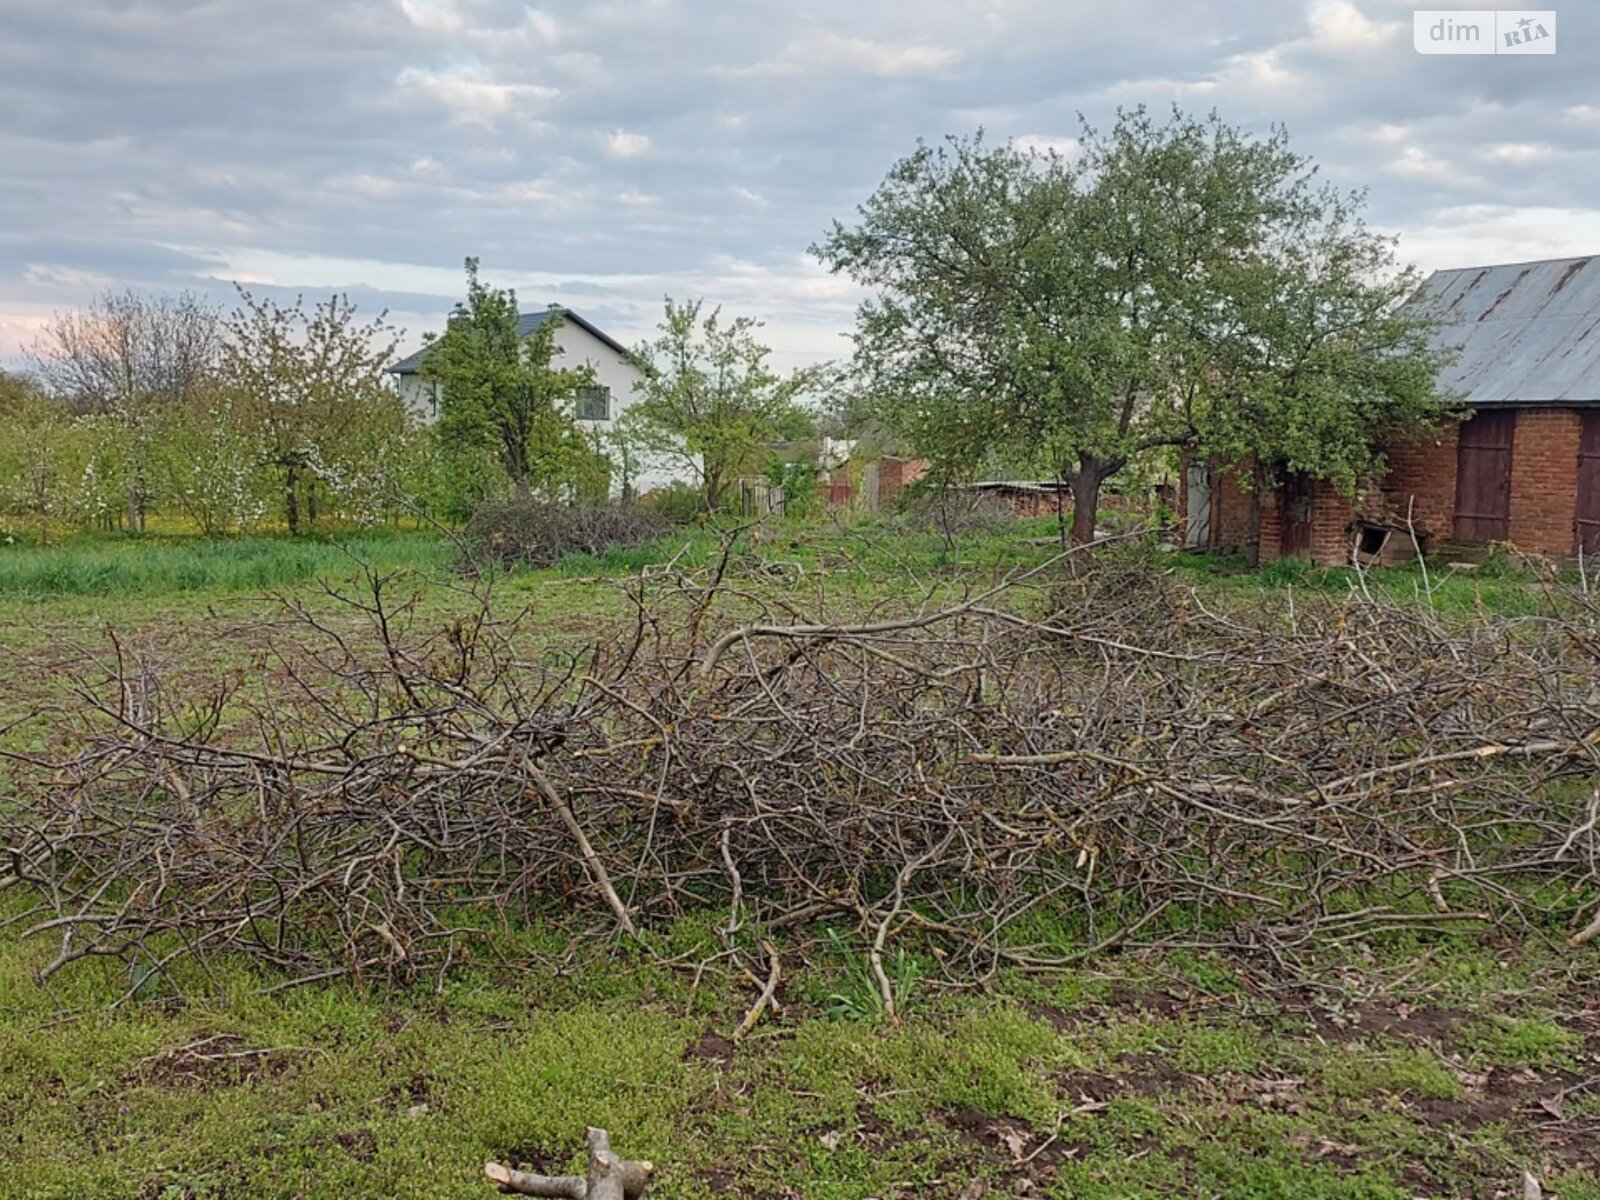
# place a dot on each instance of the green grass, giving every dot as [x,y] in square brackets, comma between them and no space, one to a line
[1497,587]
[100,566]
[1160,1090]
[1521,1042]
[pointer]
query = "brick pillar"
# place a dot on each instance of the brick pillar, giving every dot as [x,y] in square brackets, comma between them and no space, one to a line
[1270,503]
[1331,517]
[1544,480]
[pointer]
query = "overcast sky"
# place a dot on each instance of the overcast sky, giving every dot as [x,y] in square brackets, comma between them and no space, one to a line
[600,154]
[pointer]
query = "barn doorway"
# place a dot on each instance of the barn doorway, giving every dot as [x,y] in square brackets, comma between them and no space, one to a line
[1483,476]
[1197,503]
[1298,491]
[1588,530]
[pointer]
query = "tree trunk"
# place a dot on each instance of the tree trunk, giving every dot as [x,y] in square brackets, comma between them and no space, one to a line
[514,458]
[291,498]
[1086,499]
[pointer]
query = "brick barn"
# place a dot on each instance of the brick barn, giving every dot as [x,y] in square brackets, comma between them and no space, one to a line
[1523,468]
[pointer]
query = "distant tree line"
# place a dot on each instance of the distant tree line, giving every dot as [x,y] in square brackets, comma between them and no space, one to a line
[284,415]
[143,404]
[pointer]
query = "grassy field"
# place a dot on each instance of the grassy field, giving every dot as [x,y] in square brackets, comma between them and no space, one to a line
[1438,1065]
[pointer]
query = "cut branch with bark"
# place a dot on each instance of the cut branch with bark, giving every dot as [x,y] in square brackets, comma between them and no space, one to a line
[609,1177]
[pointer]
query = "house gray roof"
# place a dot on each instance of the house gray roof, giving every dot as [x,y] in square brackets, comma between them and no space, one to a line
[411,364]
[1523,333]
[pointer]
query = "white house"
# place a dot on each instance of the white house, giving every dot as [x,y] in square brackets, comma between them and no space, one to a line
[578,342]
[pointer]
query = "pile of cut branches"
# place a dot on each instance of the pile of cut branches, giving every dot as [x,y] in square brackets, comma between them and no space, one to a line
[1087,741]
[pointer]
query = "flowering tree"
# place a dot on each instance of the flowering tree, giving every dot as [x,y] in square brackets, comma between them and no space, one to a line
[311,384]
[40,454]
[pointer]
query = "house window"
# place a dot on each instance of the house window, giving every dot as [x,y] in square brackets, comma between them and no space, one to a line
[593,404]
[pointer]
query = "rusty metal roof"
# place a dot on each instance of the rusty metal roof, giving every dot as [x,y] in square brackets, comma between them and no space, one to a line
[1523,333]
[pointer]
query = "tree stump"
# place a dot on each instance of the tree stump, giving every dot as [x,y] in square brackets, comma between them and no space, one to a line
[609,1177]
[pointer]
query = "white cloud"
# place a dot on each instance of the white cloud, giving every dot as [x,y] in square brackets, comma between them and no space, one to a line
[434,16]
[1340,25]
[634,147]
[471,94]
[621,144]
[1414,162]
[1520,153]
[53,275]
[1479,234]
[836,53]
[541,26]
[1260,71]
[525,191]
[1258,74]
[365,183]
[21,326]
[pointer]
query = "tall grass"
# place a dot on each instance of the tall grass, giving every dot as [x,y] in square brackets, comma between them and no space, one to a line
[106,567]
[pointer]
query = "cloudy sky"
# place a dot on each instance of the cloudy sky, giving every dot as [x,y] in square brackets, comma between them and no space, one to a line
[602,153]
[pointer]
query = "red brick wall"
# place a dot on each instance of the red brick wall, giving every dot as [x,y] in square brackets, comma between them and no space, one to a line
[1422,480]
[1231,507]
[1332,517]
[894,474]
[1544,480]
[1022,502]
[1271,522]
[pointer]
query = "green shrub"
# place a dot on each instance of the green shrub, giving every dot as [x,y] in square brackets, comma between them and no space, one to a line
[678,503]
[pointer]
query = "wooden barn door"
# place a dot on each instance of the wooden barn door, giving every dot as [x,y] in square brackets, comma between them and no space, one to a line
[1589,484]
[1297,493]
[1483,476]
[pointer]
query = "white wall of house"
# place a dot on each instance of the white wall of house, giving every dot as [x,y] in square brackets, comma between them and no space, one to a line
[420,395]
[576,347]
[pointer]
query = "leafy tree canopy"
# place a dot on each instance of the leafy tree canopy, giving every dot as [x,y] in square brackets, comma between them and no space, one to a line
[504,392]
[710,403]
[1177,283]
